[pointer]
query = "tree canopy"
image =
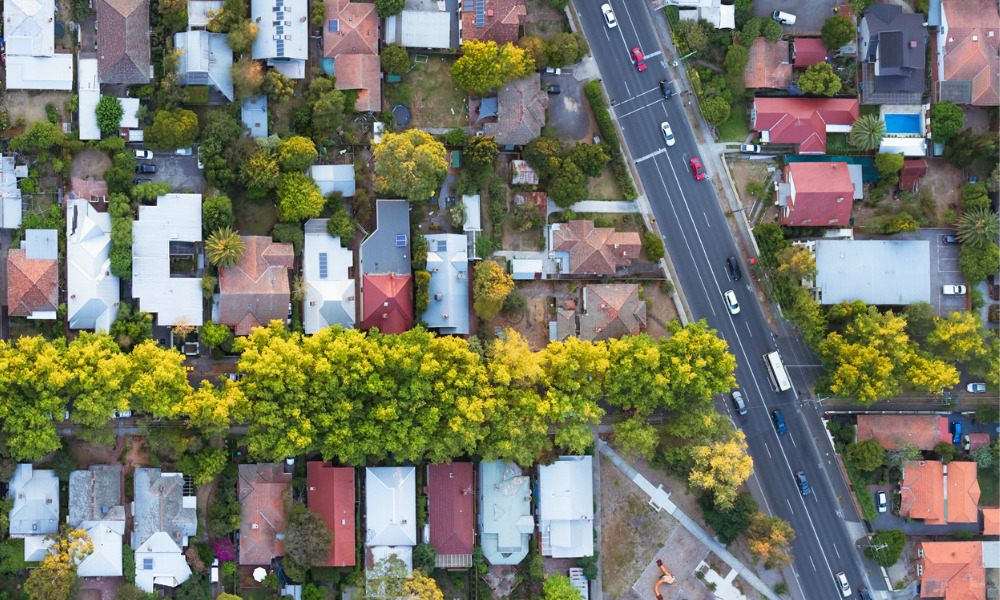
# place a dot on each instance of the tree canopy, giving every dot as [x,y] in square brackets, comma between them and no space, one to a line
[299,197]
[109,115]
[946,120]
[409,165]
[172,129]
[485,66]
[819,79]
[837,31]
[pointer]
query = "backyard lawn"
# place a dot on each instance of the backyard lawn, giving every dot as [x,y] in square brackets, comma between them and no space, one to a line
[254,218]
[735,127]
[989,487]
[436,100]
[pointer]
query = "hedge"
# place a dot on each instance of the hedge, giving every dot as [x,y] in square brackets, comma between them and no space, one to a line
[610,137]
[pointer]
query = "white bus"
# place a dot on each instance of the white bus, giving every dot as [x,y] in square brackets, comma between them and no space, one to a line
[776,372]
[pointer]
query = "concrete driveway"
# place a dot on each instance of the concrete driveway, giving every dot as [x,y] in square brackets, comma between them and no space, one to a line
[181,172]
[568,108]
[809,15]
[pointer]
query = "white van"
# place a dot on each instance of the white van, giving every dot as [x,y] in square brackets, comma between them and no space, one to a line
[783,17]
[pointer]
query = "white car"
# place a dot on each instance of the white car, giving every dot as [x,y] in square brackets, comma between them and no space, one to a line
[668,134]
[976,388]
[883,503]
[609,16]
[184,152]
[845,588]
[144,154]
[953,290]
[731,303]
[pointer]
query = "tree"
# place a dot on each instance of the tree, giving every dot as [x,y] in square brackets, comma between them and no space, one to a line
[224,248]
[866,455]
[480,154]
[328,113]
[796,263]
[248,78]
[692,33]
[721,468]
[737,58]
[387,579]
[867,132]
[591,158]
[172,129]
[964,147]
[978,262]
[920,318]
[635,436]
[216,213]
[341,224]
[297,153]
[903,453]
[109,115]
[409,165]
[215,335]
[888,164]
[771,31]
[131,328]
[389,8]
[819,79]
[946,120]
[544,155]
[946,451]
[885,547]
[279,89]
[715,110]
[979,227]
[148,191]
[490,287]
[770,540]
[484,66]
[770,240]
[317,13]
[984,457]
[837,31]
[731,523]
[424,556]
[652,245]
[568,186]
[99,367]
[259,174]
[40,135]
[307,540]
[559,587]
[536,49]
[958,337]
[34,388]
[975,196]
[55,578]
[395,59]
[242,36]
[420,587]
[299,197]
[564,49]
[749,32]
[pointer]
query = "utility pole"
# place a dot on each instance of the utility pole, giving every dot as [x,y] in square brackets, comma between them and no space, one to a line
[678,61]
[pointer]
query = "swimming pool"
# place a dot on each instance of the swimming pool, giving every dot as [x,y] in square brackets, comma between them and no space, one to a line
[902,123]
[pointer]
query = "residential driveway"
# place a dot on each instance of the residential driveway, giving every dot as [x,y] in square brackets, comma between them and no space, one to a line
[568,109]
[809,15]
[181,172]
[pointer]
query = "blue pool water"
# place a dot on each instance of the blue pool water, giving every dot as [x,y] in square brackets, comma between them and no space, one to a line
[902,123]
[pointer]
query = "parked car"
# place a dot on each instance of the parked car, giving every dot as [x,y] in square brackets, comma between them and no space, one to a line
[845,588]
[696,169]
[800,480]
[184,152]
[666,88]
[609,16]
[741,407]
[554,89]
[552,71]
[638,59]
[122,414]
[779,421]
[956,433]
[668,134]
[145,168]
[731,303]
[865,594]
[783,17]
[137,181]
[976,388]
[750,148]
[734,268]
[966,442]
[883,504]
[144,154]
[949,239]
[953,290]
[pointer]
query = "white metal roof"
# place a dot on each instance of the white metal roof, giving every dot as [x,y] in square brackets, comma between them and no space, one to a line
[28,28]
[207,60]
[566,499]
[448,264]
[130,106]
[887,272]
[36,502]
[284,31]
[391,506]
[40,72]
[333,178]
[330,299]
[89,90]
[505,521]
[93,292]
[525,268]
[198,11]
[911,146]
[473,216]
[419,29]
[106,559]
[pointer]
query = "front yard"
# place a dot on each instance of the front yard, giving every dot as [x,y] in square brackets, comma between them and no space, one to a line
[735,127]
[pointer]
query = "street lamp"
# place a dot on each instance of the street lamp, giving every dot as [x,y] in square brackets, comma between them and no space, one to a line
[677,62]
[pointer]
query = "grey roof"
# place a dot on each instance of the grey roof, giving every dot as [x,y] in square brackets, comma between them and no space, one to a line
[881,272]
[391,506]
[254,116]
[505,521]
[488,107]
[96,495]
[419,29]
[161,506]
[123,41]
[380,253]
[956,92]
[93,293]
[448,264]
[41,244]
[473,213]
[10,195]
[566,503]
[521,108]
[333,178]
[206,60]
[895,44]
[36,502]
[330,293]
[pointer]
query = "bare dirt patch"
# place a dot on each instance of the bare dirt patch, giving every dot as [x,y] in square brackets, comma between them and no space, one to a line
[31,105]
[533,321]
[662,312]
[88,454]
[90,164]
[944,182]
[746,171]
[604,187]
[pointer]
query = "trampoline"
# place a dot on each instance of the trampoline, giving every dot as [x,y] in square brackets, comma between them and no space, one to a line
[60,29]
[402,115]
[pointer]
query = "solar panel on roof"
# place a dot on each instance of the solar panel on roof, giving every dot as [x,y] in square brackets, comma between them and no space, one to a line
[280,30]
[400,240]
[334,25]
[280,47]
[480,13]
[469,5]
[322,265]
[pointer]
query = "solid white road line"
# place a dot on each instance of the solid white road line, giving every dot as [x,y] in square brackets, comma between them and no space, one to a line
[650,155]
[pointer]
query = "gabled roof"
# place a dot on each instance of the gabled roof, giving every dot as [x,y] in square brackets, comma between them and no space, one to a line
[36,502]
[991,521]
[164,519]
[962,493]
[360,72]
[448,264]
[611,311]
[450,498]
[330,289]
[769,66]
[206,60]
[95,505]
[821,194]
[594,250]
[808,51]
[284,31]
[255,291]
[492,20]
[892,431]
[331,496]
[505,521]
[922,491]
[92,291]
[521,112]
[28,28]
[333,178]
[952,570]
[350,28]
[971,66]
[391,506]
[261,492]
[10,194]
[33,276]
[123,41]
[802,121]
[387,303]
[896,43]
[387,249]
[566,501]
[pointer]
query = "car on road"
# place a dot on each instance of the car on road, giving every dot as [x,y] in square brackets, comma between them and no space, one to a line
[638,59]
[750,148]
[976,388]
[845,588]
[666,88]
[865,594]
[883,504]
[734,268]
[949,239]
[144,154]
[554,89]
[668,134]
[953,290]
[741,407]
[783,17]
[145,168]
[121,414]
[609,16]
[800,480]
[779,421]
[956,430]
[696,169]
[731,303]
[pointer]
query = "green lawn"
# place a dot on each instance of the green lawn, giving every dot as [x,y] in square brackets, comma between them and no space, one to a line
[438,102]
[254,218]
[256,594]
[989,487]
[870,109]
[735,127]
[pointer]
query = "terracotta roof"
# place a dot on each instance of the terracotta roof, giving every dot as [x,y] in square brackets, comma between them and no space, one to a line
[331,496]
[913,169]
[891,431]
[822,194]
[360,72]
[501,21]
[978,440]
[971,61]
[387,302]
[32,284]
[450,496]
[802,121]
[261,493]
[922,491]
[809,51]
[768,66]
[87,188]
[595,250]
[952,570]
[123,41]
[350,28]
[521,108]
[613,311]
[962,495]
[991,521]
[255,291]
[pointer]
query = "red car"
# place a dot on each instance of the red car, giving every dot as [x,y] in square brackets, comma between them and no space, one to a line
[699,174]
[637,58]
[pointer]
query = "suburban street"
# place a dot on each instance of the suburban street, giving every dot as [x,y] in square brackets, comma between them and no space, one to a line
[699,241]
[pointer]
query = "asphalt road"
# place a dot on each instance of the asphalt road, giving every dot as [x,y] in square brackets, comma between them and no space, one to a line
[699,241]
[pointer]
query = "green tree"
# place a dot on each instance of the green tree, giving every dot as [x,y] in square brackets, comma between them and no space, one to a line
[490,287]
[715,110]
[55,578]
[297,153]
[34,379]
[771,31]
[131,328]
[749,32]
[279,89]
[837,31]
[978,262]
[40,135]
[224,248]
[259,174]
[964,147]
[958,337]
[731,523]
[544,155]
[409,165]
[652,245]
[636,437]
[591,158]
[215,335]
[424,556]
[737,58]
[559,587]
[395,59]
[721,468]
[109,115]
[299,197]
[389,8]
[341,224]
[242,36]
[885,547]
[485,66]
[216,213]
[172,129]
[480,154]
[946,451]
[770,540]
[975,196]
[888,164]
[819,79]
[564,49]
[979,227]
[866,455]
[537,49]
[919,319]
[317,14]
[99,368]
[328,113]
[946,120]
[984,457]
[770,240]
[568,185]
[867,132]
[307,539]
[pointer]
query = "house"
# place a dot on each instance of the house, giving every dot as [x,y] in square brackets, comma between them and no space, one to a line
[33,276]
[330,286]
[35,513]
[803,121]
[587,250]
[171,227]
[331,496]
[769,66]
[611,311]
[939,493]
[505,521]
[165,517]
[430,29]
[95,505]
[566,507]
[283,39]
[968,66]
[953,570]
[909,176]
[254,116]
[523,173]
[391,514]
[492,20]
[990,520]
[32,62]
[89,95]
[450,497]
[386,282]
[448,264]
[256,290]
[978,440]
[892,49]
[880,272]
[333,178]
[719,15]
[92,292]
[261,491]
[524,269]
[808,51]
[123,41]
[205,60]
[473,221]
[10,194]
[521,108]
[894,431]
[350,41]
[815,194]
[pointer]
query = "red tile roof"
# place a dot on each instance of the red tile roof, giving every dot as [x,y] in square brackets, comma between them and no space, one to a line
[962,495]
[978,440]
[821,194]
[87,188]
[32,284]
[595,250]
[802,121]
[387,302]
[331,496]
[355,32]
[976,61]
[361,72]
[891,431]
[952,570]
[922,492]
[913,169]
[768,66]
[255,290]
[450,496]
[991,521]
[613,311]
[809,51]
[262,495]
[501,22]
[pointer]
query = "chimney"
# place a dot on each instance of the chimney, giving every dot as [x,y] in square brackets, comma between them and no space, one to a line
[913,43]
[313,303]
[438,296]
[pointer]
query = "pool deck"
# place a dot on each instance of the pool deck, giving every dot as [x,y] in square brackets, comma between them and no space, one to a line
[908,109]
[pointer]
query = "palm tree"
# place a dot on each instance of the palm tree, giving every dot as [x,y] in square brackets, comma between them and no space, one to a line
[979,227]
[867,132]
[224,248]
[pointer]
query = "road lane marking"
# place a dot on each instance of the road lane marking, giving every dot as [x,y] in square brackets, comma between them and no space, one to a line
[765,445]
[635,110]
[835,548]
[631,24]
[813,562]
[707,222]
[650,155]
[653,55]
[789,503]
[750,331]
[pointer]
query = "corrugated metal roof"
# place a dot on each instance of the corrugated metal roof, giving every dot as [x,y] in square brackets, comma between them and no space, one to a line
[391,506]
[448,264]
[93,293]
[566,499]
[505,521]
[883,272]
[330,300]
